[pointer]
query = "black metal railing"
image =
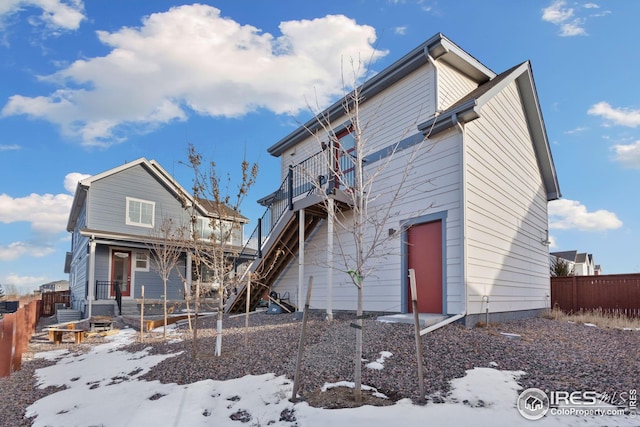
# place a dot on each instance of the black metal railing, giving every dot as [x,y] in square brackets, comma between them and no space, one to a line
[311,174]
[109,289]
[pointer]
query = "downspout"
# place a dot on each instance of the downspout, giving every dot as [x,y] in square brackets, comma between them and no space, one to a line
[463,216]
[435,79]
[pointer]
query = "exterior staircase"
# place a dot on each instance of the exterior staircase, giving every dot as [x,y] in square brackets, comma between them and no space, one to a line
[280,226]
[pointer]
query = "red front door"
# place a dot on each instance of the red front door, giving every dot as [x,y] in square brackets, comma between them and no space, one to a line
[425,257]
[121,272]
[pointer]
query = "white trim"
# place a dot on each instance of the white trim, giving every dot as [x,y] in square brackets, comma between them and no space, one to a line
[132,270]
[128,220]
[135,260]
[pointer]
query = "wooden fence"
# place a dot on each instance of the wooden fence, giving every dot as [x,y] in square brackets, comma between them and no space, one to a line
[50,299]
[612,293]
[16,330]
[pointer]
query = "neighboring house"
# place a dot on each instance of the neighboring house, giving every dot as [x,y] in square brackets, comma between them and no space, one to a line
[114,218]
[59,285]
[472,221]
[582,263]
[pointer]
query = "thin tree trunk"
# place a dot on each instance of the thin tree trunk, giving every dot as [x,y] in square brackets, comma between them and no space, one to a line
[357,390]
[187,297]
[164,334]
[142,316]
[305,317]
[219,321]
[195,323]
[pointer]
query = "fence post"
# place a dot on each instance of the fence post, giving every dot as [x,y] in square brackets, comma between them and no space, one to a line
[574,295]
[18,330]
[6,344]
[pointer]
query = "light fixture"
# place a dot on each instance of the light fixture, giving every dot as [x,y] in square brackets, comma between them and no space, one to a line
[545,239]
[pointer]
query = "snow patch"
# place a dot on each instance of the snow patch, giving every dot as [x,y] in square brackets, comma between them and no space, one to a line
[379,363]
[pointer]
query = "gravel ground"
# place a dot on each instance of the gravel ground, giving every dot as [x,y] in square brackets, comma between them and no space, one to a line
[555,355]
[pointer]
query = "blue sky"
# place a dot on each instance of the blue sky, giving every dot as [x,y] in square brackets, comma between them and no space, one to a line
[88,85]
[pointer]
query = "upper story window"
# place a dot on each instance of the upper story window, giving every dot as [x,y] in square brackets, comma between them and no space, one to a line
[140,212]
[213,229]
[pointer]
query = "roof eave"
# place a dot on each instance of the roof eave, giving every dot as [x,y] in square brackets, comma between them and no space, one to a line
[437,47]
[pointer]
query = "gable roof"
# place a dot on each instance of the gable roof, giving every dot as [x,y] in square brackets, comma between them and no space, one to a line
[206,207]
[568,255]
[437,47]
[469,108]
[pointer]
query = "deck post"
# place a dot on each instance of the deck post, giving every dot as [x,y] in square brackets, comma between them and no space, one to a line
[290,187]
[259,238]
[330,220]
[301,224]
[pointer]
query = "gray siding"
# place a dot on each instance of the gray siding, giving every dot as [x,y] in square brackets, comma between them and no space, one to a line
[107,201]
[79,265]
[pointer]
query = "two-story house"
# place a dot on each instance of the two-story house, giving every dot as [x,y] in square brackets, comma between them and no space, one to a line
[471,219]
[114,223]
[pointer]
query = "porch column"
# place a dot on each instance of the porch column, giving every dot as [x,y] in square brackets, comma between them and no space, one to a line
[92,274]
[301,222]
[330,219]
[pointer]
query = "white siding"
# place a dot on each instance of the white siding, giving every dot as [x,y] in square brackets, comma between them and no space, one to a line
[452,85]
[506,210]
[389,117]
[432,187]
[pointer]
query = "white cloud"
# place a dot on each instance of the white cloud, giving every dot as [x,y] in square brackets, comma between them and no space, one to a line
[400,30]
[190,58]
[579,129]
[567,19]
[628,154]
[573,28]
[55,14]
[557,13]
[16,250]
[47,213]
[23,283]
[618,116]
[12,147]
[567,214]
[71,181]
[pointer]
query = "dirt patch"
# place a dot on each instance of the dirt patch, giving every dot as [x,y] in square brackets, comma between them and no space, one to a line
[342,397]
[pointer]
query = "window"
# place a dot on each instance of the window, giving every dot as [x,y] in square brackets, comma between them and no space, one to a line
[212,229]
[142,261]
[345,157]
[140,212]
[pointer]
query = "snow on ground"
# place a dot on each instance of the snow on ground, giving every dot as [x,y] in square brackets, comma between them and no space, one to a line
[379,363]
[104,388]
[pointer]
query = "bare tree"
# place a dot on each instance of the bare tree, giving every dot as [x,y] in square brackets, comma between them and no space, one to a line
[167,248]
[362,232]
[215,240]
